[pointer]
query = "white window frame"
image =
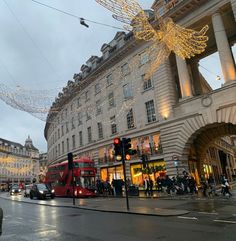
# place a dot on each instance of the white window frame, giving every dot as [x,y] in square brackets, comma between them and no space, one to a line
[150,110]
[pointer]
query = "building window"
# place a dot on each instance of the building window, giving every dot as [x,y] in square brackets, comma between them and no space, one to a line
[100,131]
[147,83]
[98,107]
[78,102]
[72,123]
[67,144]
[125,69]
[59,149]
[80,138]
[66,113]
[79,118]
[88,116]
[130,119]
[67,127]
[97,88]
[109,79]
[89,130]
[151,115]
[71,107]
[73,141]
[111,100]
[62,130]
[58,133]
[113,125]
[144,58]
[127,91]
[87,95]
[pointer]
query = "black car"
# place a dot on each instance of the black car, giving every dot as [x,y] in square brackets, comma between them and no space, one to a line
[41,191]
[15,189]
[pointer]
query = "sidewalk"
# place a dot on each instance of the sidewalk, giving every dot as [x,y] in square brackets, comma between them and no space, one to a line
[138,206]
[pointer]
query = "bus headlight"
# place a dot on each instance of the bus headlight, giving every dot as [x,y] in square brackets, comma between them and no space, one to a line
[53,191]
[80,191]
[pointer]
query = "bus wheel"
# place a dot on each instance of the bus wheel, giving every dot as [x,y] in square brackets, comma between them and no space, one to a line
[68,193]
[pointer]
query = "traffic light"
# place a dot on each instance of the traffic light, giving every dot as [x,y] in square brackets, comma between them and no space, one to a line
[144,160]
[118,148]
[70,160]
[127,148]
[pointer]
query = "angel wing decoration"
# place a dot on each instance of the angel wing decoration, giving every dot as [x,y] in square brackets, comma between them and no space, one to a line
[169,36]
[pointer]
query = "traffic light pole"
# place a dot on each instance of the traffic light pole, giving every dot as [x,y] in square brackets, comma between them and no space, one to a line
[124,170]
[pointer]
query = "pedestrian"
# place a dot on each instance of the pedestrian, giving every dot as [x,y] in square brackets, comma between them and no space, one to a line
[212,186]
[146,186]
[227,187]
[113,183]
[169,184]
[150,186]
[159,184]
[204,186]
[222,180]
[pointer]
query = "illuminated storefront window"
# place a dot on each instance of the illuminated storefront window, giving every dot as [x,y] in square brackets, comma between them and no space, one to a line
[153,170]
[193,170]
[110,173]
[145,145]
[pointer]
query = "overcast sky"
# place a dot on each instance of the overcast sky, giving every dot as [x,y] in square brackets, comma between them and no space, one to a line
[42,49]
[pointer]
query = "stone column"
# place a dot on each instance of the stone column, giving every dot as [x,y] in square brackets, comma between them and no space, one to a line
[196,77]
[225,54]
[184,78]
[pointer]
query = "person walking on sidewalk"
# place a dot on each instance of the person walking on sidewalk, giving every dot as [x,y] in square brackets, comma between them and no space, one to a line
[204,186]
[227,187]
[212,186]
[146,186]
[150,186]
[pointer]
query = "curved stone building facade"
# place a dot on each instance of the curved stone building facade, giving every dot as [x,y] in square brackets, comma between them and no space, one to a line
[166,116]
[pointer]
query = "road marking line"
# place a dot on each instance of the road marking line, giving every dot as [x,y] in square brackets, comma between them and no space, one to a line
[208,213]
[19,218]
[192,218]
[224,221]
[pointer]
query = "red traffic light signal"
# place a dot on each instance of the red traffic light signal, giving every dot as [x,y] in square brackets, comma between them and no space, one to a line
[117,147]
[117,141]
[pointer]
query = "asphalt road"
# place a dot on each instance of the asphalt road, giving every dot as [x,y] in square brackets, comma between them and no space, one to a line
[30,222]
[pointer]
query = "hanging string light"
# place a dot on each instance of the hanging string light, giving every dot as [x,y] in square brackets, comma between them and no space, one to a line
[169,37]
[35,102]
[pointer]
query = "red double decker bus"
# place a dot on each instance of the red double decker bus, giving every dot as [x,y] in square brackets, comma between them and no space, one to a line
[59,177]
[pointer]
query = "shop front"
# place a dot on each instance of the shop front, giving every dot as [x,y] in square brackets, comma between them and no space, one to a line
[111,172]
[153,169]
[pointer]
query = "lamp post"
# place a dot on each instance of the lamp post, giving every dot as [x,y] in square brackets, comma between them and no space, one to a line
[176,162]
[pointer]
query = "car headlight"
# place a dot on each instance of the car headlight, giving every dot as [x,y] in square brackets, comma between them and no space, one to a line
[53,191]
[19,190]
[41,191]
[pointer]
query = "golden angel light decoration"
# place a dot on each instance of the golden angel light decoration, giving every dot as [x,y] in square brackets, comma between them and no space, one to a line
[168,37]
